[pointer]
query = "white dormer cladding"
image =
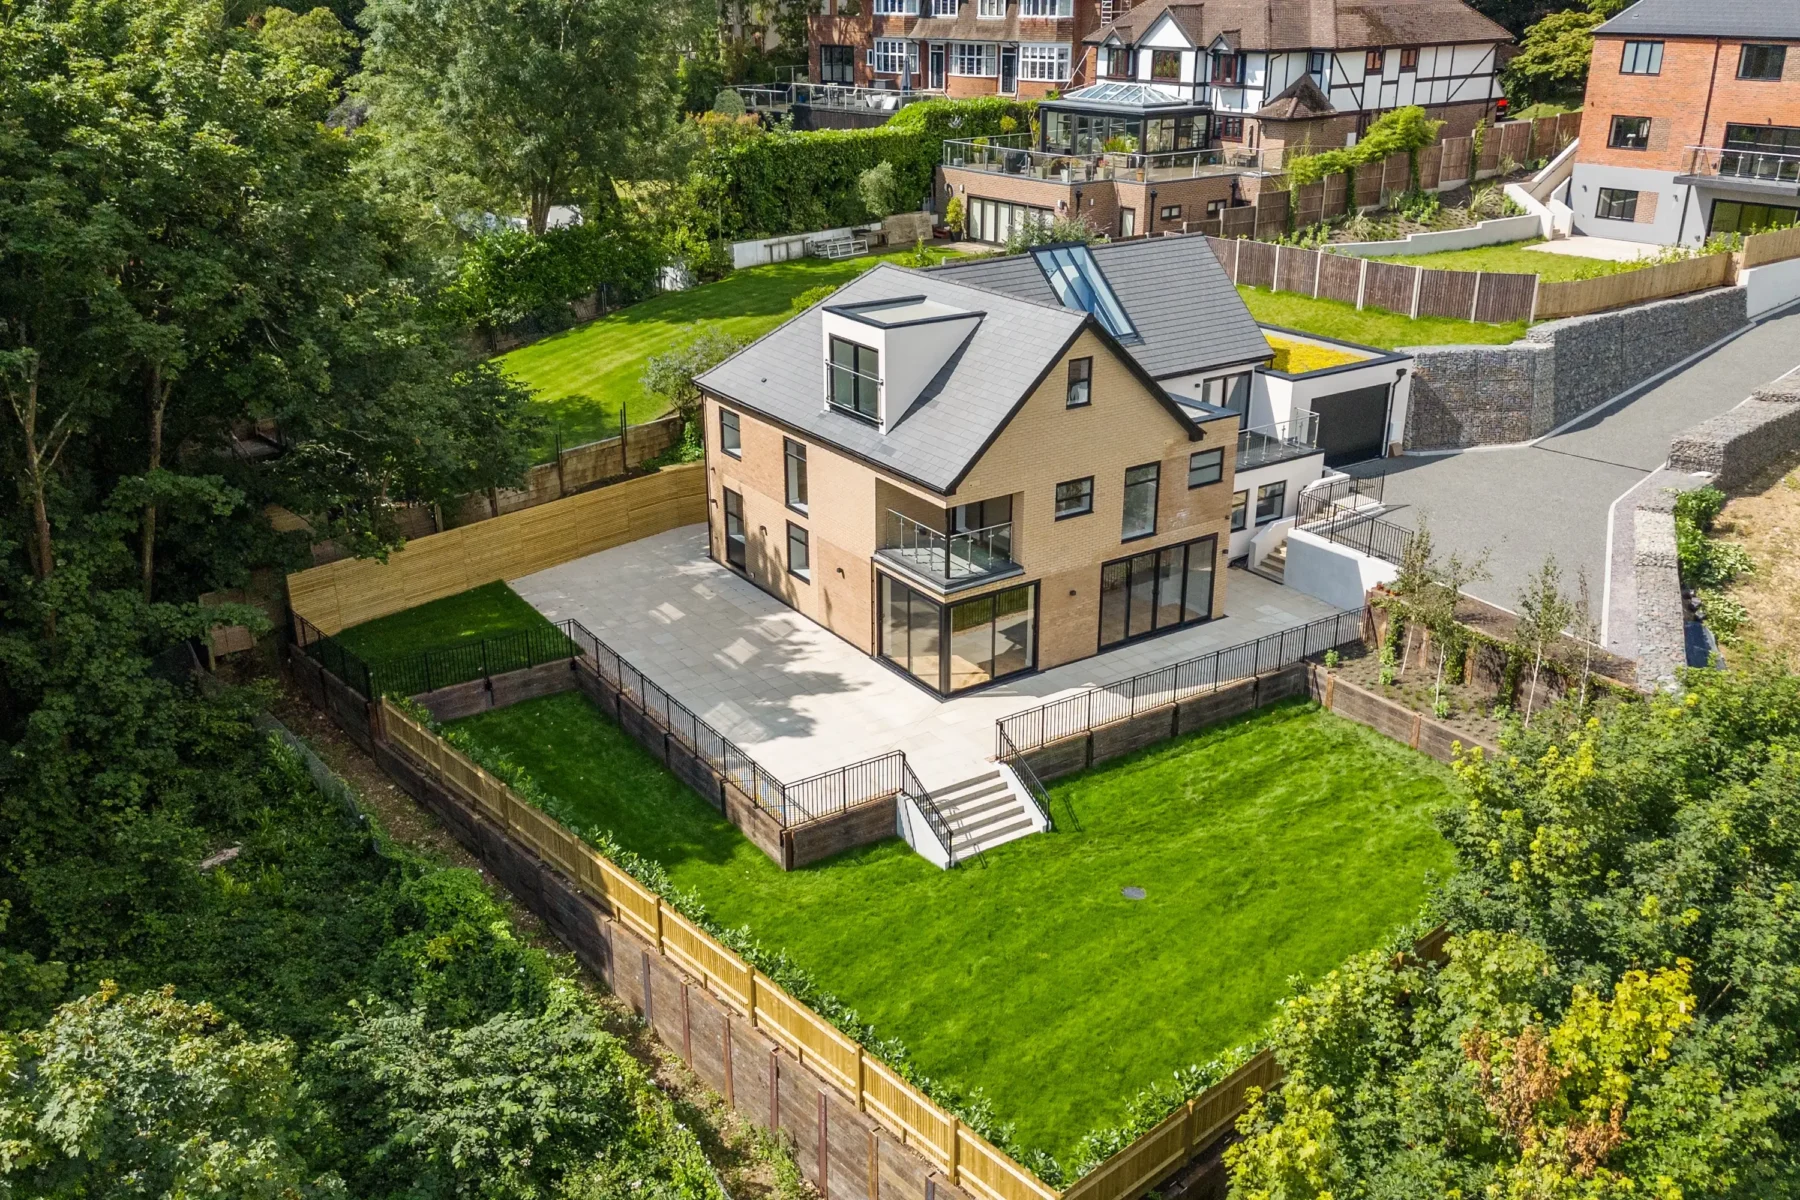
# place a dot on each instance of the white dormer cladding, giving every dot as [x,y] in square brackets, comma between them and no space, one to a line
[912,338]
[1166,36]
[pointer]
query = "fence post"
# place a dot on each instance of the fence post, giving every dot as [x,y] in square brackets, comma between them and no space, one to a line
[1318,255]
[1536,282]
[1237,256]
[1418,282]
[1475,304]
[1362,282]
[1275,276]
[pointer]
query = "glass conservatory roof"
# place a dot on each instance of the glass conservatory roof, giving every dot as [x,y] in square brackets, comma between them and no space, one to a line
[1121,95]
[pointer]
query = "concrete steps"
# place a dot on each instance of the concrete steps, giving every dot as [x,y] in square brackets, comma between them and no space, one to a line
[983,812]
[1274,564]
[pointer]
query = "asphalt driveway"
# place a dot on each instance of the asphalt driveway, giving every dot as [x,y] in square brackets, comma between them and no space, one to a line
[1554,496]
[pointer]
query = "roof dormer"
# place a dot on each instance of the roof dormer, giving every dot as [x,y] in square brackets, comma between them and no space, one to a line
[881,355]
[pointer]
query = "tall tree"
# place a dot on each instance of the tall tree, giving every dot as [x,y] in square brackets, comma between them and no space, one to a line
[1552,63]
[513,106]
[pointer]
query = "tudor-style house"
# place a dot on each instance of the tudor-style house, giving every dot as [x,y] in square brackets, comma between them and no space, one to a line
[1692,122]
[970,484]
[1191,106]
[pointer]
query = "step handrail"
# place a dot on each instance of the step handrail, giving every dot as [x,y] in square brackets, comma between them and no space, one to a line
[912,789]
[1034,787]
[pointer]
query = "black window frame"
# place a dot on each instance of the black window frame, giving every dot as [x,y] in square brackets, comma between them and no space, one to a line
[1231,129]
[793,452]
[1086,483]
[1712,216]
[1764,51]
[805,539]
[1217,461]
[1117,56]
[1639,57]
[1374,62]
[889,588]
[1409,58]
[858,377]
[1240,511]
[1275,487]
[1080,393]
[829,72]
[1169,212]
[734,443]
[1155,482]
[1208,548]
[1159,57]
[1615,204]
[742,559]
[1617,138]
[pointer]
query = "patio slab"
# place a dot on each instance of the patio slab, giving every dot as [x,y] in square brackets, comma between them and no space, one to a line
[800,699]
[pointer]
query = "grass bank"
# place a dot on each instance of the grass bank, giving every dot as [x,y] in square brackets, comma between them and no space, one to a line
[1516,258]
[1371,327]
[1269,847]
[492,610]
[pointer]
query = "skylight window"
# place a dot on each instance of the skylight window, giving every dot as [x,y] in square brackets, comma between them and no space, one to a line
[1079,284]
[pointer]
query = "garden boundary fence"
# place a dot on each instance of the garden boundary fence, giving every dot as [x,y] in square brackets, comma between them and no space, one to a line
[345,593]
[1111,703]
[1778,245]
[877,1089]
[1416,292]
[1575,297]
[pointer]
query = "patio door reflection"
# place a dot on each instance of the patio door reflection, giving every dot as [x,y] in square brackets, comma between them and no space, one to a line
[1156,590]
[950,648]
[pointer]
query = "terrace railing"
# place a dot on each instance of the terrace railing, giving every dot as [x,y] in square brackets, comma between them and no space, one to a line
[1034,787]
[948,556]
[839,96]
[1369,535]
[1013,154]
[1084,712]
[1342,493]
[1266,444]
[1744,162]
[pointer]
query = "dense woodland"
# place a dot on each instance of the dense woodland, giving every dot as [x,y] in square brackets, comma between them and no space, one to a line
[217,980]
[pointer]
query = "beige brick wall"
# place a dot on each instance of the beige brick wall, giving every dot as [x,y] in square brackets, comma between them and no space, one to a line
[1045,444]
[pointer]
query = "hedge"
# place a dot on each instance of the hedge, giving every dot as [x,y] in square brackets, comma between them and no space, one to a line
[800,182]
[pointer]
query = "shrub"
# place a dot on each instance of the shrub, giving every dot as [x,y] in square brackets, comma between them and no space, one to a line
[814,295]
[671,374]
[876,187]
[727,101]
[955,216]
[1027,234]
[510,274]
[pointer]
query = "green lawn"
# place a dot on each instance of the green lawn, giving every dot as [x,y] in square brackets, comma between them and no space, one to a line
[1272,846]
[583,375]
[484,612]
[1371,326]
[1513,257]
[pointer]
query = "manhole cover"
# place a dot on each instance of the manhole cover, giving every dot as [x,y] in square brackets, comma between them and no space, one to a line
[1132,893]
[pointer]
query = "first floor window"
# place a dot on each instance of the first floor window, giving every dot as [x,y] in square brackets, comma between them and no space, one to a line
[1641,58]
[1373,61]
[1046,8]
[837,64]
[855,379]
[794,456]
[1761,62]
[1229,391]
[1271,501]
[1629,133]
[731,439]
[1140,501]
[943,8]
[1409,60]
[1048,63]
[889,55]
[1081,382]
[974,58]
[736,542]
[1075,498]
[1156,590]
[799,552]
[1228,67]
[1165,64]
[1206,466]
[1231,129]
[1240,510]
[991,10]
[1118,62]
[1169,212]
[896,8]
[1616,204]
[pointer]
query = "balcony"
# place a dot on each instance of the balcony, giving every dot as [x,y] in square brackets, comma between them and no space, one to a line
[1265,444]
[780,97]
[1011,154]
[1759,169]
[950,562]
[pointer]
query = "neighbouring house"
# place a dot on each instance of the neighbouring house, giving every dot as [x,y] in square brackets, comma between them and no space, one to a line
[972,474]
[1024,48]
[1692,122]
[1187,108]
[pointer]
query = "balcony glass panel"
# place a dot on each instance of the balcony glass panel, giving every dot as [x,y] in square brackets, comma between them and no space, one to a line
[1275,443]
[947,558]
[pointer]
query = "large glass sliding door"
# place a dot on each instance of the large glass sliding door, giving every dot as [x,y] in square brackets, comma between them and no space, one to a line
[1156,590]
[952,647]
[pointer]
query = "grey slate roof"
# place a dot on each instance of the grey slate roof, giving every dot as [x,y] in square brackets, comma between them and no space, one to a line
[1182,302]
[1735,18]
[781,376]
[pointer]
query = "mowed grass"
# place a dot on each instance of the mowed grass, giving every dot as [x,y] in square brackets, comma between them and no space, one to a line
[1371,327]
[1515,259]
[492,610]
[581,377]
[1272,846]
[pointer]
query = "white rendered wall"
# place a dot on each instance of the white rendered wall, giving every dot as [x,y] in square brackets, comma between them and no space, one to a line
[1339,576]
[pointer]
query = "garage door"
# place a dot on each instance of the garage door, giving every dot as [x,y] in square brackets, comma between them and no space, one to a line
[1351,424]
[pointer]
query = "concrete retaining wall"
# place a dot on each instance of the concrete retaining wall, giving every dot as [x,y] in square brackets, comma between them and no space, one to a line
[1769,287]
[1661,615]
[1737,446]
[1335,574]
[1487,395]
[1483,233]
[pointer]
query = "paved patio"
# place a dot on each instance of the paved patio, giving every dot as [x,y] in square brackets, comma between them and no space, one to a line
[802,700]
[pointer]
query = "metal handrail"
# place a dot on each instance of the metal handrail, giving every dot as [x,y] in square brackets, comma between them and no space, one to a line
[1296,434]
[982,551]
[1742,162]
[1368,534]
[912,789]
[1034,787]
[1085,711]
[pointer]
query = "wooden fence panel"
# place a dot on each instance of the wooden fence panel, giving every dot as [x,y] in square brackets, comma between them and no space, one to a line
[1455,166]
[1389,286]
[1776,246]
[1580,296]
[992,1175]
[1222,250]
[1506,298]
[808,1036]
[724,973]
[1238,221]
[1448,294]
[1256,264]
[1431,166]
[926,1127]
[1340,276]
[1271,214]
[1335,196]
[1297,270]
[350,591]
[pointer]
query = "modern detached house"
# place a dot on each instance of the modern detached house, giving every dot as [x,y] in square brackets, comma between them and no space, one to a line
[970,484]
[1186,108]
[1692,123]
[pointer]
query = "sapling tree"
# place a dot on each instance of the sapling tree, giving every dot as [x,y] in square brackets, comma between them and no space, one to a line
[671,374]
[1544,612]
[1414,575]
[1436,609]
